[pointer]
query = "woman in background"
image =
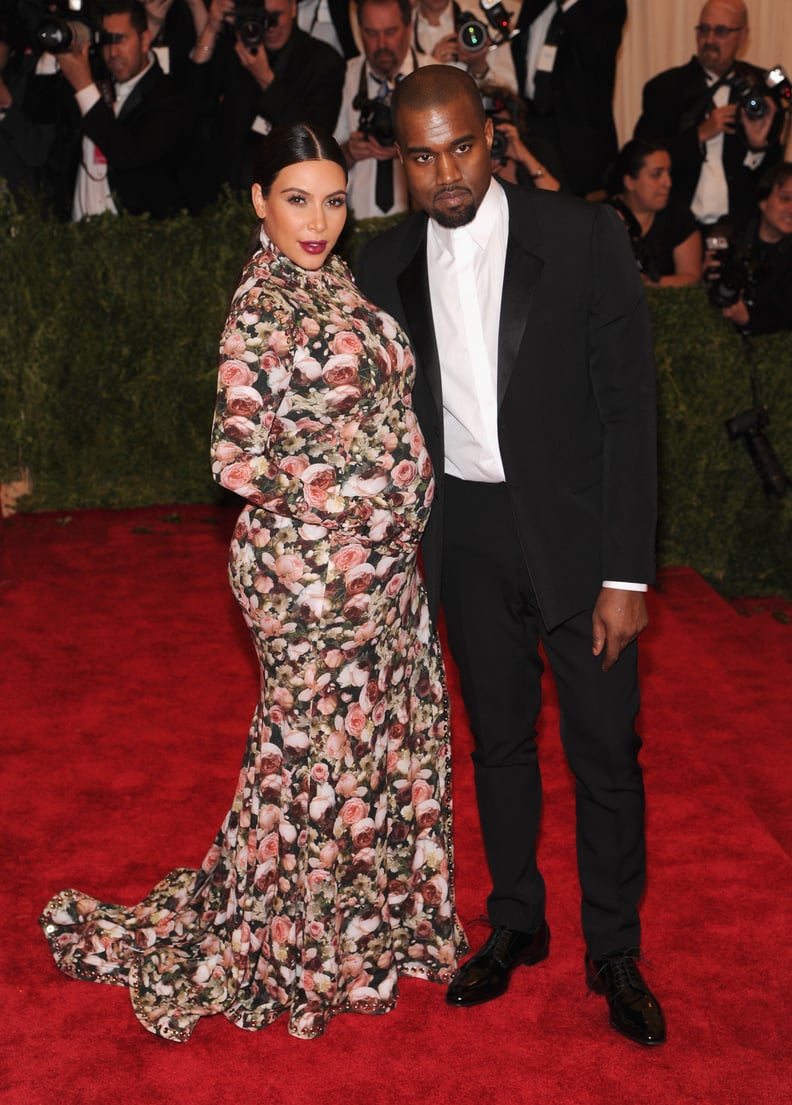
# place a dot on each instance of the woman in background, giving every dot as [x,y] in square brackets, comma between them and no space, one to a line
[666,243]
[332,873]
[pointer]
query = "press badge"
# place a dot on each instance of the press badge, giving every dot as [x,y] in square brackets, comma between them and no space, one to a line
[547,58]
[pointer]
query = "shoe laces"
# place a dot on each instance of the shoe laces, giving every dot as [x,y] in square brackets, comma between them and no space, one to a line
[499,942]
[623,973]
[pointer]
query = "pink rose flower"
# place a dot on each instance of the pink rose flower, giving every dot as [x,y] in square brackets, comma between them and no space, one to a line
[294,466]
[310,326]
[359,578]
[320,773]
[346,342]
[238,428]
[343,398]
[234,345]
[289,568]
[363,833]
[355,720]
[243,401]
[348,556]
[346,785]
[427,813]
[236,475]
[235,374]
[278,342]
[271,758]
[328,853]
[420,792]
[280,930]
[404,473]
[317,480]
[354,809]
[226,451]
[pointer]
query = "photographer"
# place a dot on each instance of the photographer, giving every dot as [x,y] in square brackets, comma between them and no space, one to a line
[253,69]
[517,157]
[437,31]
[752,282]
[665,239]
[134,127]
[721,136]
[376,179]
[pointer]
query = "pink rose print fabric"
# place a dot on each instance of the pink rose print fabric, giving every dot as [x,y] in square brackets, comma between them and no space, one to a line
[332,874]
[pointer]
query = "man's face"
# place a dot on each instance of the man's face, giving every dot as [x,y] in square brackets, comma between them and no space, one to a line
[276,37]
[445,151]
[718,53]
[385,38]
[777,212]
[127,57]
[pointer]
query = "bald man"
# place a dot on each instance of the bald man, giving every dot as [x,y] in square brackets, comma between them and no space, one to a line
[718,152]
[535,395]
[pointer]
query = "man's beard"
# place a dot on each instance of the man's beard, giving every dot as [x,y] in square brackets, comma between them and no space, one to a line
[386,63]
[461,216]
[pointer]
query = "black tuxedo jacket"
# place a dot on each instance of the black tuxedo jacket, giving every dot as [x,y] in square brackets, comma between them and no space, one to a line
[576,392]
[145,144]
[582,85]
[674,103]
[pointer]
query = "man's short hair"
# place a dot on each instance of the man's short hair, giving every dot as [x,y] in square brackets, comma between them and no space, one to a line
[133,8]
[404,6]
[434,86]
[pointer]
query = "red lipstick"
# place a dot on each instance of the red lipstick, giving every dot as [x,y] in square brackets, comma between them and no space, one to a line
[314,247]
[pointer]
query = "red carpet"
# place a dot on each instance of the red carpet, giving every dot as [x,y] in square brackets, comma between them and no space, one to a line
[127,689]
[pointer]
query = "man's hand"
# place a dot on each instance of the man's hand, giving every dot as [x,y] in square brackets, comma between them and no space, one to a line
[721,120]
[446,49]
[76,68]
[618,618]
[360,148]
[738,312]
[257,64]
[757,131]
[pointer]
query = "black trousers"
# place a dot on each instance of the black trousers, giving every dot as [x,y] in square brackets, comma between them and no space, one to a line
[494,630]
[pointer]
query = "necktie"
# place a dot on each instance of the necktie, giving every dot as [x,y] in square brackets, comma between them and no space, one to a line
[383,187]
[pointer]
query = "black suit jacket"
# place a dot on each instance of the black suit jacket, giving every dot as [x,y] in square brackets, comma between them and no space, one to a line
[576,392]
[581,118]
[674,103]
[145,144]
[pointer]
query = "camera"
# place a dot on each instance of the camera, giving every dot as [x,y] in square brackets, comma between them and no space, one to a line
[57,36]
[472,33]
[375,119]
[749,427]
[750,92]
[251,21]
[732,274]
[495,107]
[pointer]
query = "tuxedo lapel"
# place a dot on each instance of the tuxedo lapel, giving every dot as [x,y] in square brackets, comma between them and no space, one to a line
[413,285]
[521,275]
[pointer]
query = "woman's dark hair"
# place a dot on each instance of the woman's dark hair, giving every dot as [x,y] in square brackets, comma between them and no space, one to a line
[629,162]
[775,176]
[289,145]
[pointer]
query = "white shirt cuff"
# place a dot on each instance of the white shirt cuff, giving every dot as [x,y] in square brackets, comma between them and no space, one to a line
[625,586]
[87,97]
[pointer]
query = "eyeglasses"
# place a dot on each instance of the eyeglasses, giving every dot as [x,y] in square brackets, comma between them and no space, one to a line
[720,31]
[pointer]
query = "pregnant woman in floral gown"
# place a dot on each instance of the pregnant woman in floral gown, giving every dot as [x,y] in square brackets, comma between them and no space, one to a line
[332,873]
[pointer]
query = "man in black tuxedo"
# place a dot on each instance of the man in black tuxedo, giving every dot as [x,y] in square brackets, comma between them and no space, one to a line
[718,153]
[535,394]
[135,131]
[565,61]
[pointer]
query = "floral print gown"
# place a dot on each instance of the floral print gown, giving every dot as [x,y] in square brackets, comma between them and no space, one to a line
[332,873]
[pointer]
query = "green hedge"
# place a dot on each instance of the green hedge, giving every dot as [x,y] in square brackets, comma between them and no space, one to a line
[108,353]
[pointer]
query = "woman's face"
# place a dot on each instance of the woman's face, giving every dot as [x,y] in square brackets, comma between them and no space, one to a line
[649,190]
[305,210]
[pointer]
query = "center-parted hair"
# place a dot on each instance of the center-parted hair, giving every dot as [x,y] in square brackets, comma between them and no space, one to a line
[289,145]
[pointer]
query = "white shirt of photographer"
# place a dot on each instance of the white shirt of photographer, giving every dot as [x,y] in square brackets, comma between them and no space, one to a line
[92,190]
[363,174]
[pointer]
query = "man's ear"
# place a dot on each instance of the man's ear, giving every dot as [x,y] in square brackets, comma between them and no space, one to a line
[397,148]
[489,132]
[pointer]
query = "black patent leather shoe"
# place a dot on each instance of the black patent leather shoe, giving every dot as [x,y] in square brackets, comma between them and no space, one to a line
[486,974]
[634,1010]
